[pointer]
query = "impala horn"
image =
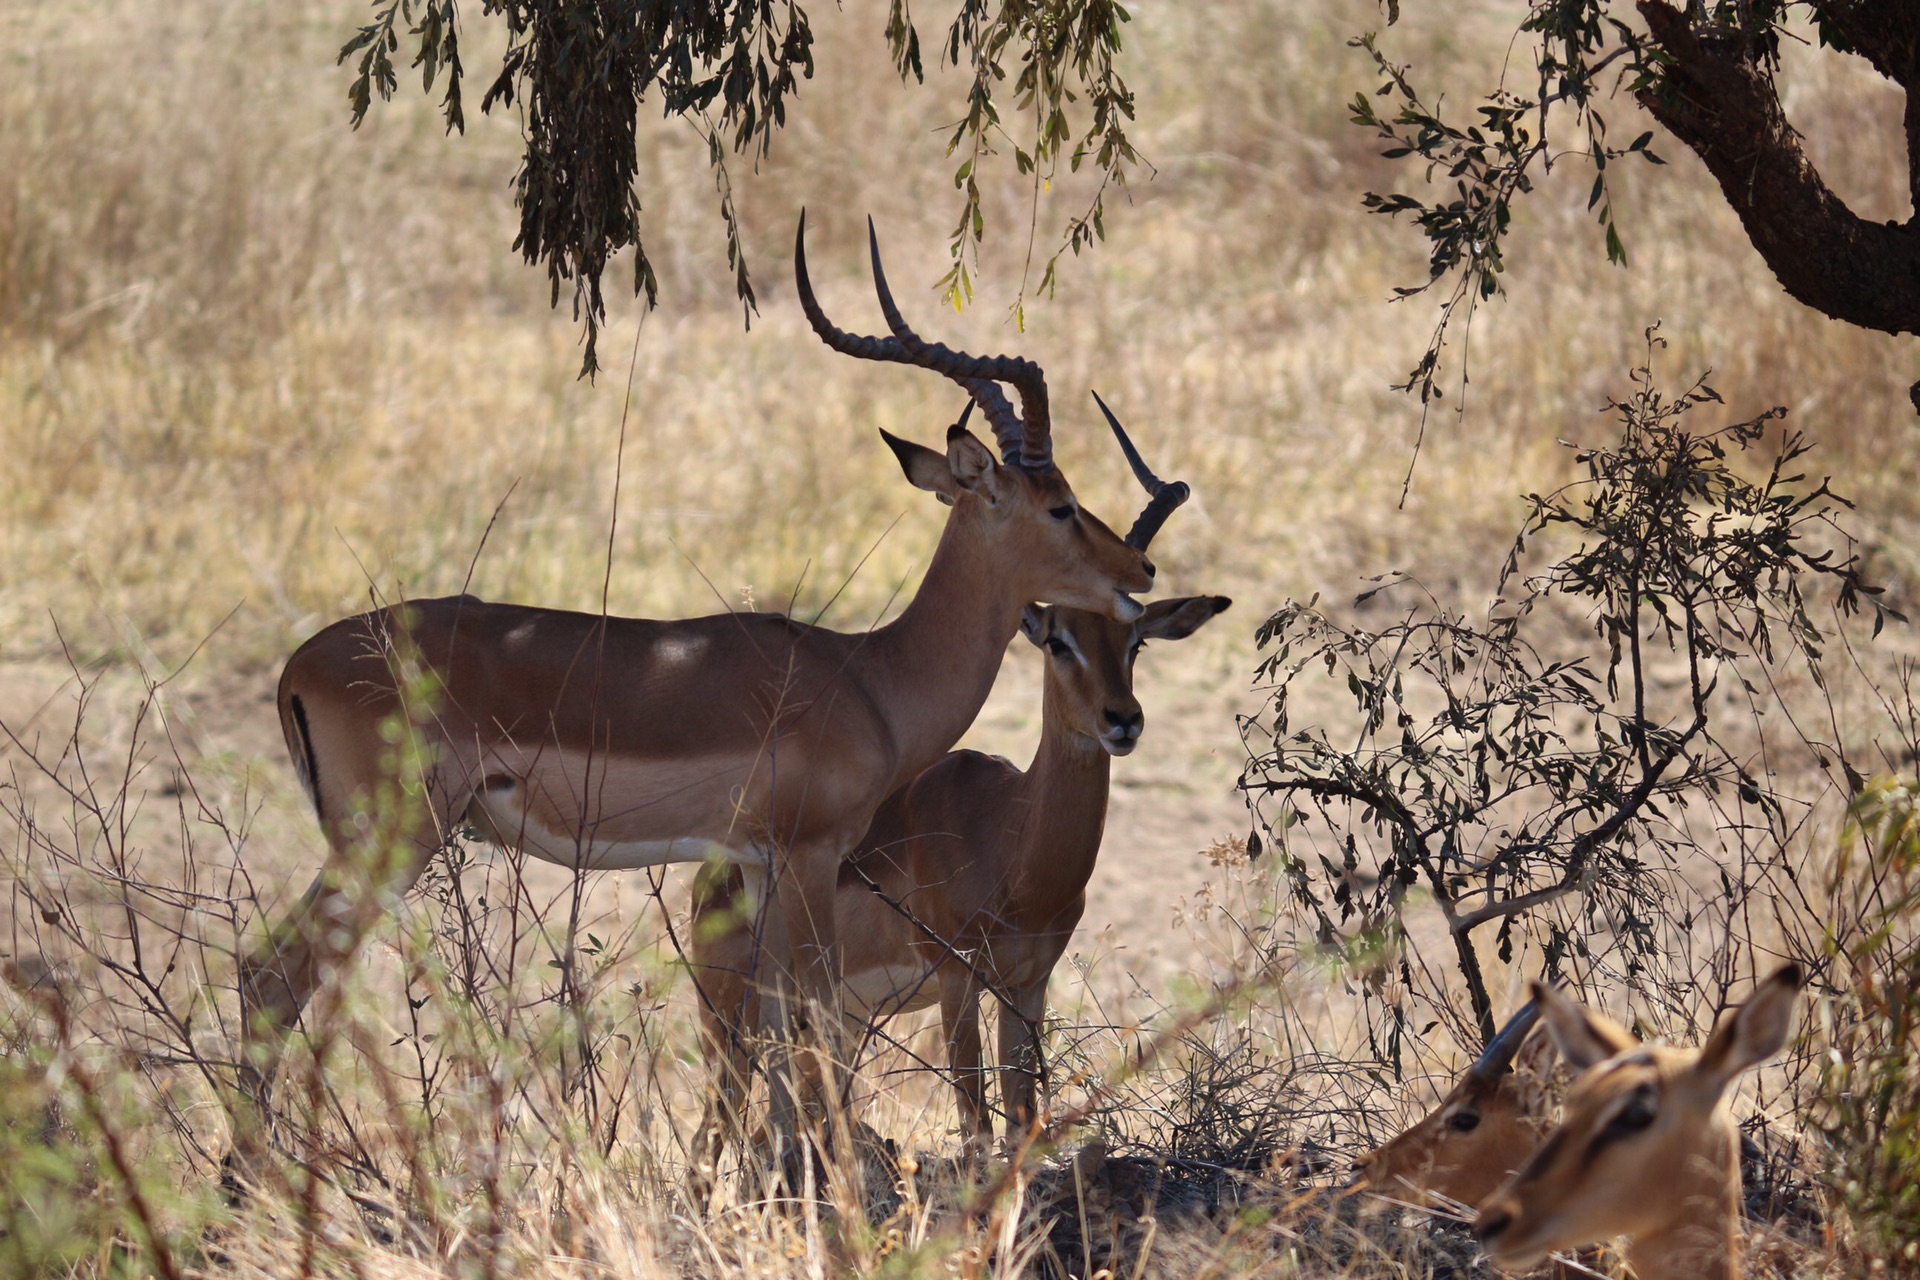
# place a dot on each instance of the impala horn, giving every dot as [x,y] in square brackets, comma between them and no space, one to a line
[960,427]
[1498,1056]
[1163,496]
[1025,439]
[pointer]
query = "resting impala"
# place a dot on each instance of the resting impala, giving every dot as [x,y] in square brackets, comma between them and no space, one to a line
[975,874]
[608,743]
[1648,1148]
[1483,1130]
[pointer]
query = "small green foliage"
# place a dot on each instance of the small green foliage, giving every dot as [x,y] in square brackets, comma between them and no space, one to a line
[1059,46]
[1869,1106]
[1495,160]
[73,1196]
[1537,792]
[580,73]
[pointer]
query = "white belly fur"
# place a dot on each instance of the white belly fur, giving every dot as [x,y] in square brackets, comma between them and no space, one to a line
[506,823]
[894,988]
[611,813]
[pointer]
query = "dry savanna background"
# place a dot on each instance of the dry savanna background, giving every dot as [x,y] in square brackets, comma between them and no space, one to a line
[258,369]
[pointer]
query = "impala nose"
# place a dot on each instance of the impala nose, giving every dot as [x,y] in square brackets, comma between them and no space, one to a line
[1123,728]
[1492,1222]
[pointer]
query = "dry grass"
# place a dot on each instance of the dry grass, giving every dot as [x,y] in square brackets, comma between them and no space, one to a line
[252,363]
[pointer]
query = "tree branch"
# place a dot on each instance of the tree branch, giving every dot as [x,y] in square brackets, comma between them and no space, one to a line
[1717,96]
[1887,34]
[1583,848]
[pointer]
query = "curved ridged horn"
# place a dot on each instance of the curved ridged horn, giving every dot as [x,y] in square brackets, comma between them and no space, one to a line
[971,372]
[1499,1052]
[1006,423]
[1020,442]
[1162,496]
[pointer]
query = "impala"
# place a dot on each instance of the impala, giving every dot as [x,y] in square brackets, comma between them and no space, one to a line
[605,743]
[1648,1148]
[973,876]
[1483,1130]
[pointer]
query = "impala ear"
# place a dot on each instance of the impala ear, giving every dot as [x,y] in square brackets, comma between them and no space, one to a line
[1033,623]
[1585,1038]
[1180,617]
[972,466]
[1753,1033]
[1535,1055]
[925,469]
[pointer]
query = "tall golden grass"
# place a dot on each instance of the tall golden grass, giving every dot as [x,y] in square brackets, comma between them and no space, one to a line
[254,365]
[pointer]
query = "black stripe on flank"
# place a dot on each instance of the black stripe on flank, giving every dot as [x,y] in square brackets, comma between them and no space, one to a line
[306,746]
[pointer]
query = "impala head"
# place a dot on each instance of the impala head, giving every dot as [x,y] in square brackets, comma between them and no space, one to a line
[1090,662]
[1647,1148]
[1089,680]
[1484,1129]
[1020,502]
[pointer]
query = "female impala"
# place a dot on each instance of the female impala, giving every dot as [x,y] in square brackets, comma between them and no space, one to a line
[1483,1130]
[1648,1148]
[600,742]
[974,876]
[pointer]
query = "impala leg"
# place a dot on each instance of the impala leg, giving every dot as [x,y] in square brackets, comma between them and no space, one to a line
[360,882]
[801,1008]
[960,1019]
[729,1010]
[771,984]
[724,1116]
[1021,1050]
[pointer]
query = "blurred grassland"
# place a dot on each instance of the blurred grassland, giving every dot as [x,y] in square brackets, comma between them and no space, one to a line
[251,360]
[253,363]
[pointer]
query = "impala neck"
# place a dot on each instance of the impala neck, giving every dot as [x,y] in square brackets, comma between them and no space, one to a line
[1701,1247]
[1066,787]
[935,664]
[1692,1252]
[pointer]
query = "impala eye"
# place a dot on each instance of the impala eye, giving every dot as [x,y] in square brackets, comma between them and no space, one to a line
[1057,647]
[1060,513]
[1638,1114]
[1463,1121]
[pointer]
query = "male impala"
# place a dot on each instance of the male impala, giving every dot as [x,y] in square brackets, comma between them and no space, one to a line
[1648,1148]
[606,743]
[974,876]
[1483,1130]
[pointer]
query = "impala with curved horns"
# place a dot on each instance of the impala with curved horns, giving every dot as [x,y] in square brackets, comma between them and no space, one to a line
[1483,1130]
[600,742]
[1648,1148]
[974,876]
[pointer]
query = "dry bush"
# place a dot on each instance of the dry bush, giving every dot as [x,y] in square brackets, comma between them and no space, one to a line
[1609,804]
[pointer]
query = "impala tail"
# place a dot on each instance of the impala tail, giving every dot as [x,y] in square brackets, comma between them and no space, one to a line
[306,766]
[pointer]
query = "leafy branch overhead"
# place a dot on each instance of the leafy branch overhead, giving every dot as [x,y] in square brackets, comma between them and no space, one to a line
[580,72]
[1707,72]
[1548,794]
